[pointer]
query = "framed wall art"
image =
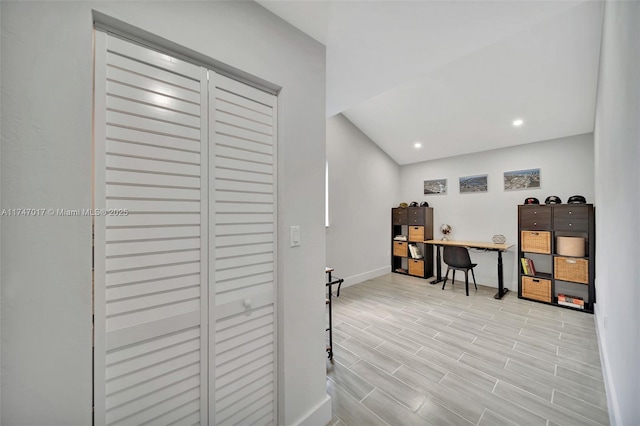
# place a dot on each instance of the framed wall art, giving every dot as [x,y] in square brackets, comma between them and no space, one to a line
[435,187]
[473,184]
[521,179]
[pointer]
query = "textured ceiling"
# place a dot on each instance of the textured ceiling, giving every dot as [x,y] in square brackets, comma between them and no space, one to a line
[455,74]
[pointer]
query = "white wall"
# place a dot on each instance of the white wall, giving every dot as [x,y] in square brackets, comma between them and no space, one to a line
[617,192]
[566,168]
[46,162]
[363,187]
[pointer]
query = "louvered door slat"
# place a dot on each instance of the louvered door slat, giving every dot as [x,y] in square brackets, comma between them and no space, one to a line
[118,133]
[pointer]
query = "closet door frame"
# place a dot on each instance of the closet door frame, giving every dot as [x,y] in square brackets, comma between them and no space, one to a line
[207,226]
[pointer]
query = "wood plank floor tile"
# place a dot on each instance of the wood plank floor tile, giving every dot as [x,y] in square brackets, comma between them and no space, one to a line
[373,356]
[391,385]
[523,382]
[349,409]
[392,412]
[496,403]
[489,418]
[408,353]
[578,406]
[348,380]
[444,395]
[432,370]
[544,408]
[438,414]
[590,395]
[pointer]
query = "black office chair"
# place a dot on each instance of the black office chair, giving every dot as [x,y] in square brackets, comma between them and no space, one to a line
[457,258]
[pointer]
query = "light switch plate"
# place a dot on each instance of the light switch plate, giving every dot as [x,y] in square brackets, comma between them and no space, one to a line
[295,236]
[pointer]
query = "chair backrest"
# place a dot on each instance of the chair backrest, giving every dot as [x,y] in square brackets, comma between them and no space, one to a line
[457,257]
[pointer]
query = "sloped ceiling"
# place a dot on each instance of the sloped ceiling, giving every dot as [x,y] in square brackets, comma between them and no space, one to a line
[454,75]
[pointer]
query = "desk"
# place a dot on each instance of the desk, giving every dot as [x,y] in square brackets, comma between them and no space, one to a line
[472,244]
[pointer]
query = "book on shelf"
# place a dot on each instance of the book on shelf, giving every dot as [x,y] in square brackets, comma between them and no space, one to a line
[415,251]
[527,266]
[570,300]
[532,268]
[400,238]
[573,305]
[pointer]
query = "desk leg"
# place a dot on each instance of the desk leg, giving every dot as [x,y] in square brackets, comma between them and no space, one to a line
[501,290]
[438,268]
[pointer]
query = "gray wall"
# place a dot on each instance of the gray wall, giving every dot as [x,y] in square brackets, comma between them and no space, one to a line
[363,186]
[566,168]
[617,190]
[364,179]
[46,162]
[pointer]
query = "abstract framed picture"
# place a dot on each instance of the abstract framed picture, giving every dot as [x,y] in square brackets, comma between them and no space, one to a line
[473,184]
[435,187]
[521,179]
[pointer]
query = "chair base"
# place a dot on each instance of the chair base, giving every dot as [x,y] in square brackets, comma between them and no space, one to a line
[466,277]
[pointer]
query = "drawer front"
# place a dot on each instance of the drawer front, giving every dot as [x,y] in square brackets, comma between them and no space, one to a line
[535,241]
[416,215]
[416,267]
[400,248]
[399,216]
[535,217]
[416,233]
[571,218]
[536,288]
[571,269]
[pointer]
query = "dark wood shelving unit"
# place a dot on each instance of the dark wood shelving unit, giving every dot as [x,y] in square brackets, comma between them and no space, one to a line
[560,240]
[416,224]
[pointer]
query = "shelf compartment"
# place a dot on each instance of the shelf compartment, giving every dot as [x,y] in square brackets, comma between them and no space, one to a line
[400,248]
[535,241]
[416,233]
[416,267]
[536,288]
[571,269]
[570,246]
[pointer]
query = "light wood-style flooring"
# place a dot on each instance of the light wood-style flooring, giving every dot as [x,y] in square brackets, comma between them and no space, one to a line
[408,353]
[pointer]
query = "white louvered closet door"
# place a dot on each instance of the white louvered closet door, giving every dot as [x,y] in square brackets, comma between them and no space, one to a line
[244,193]
[184,284]
[151,297]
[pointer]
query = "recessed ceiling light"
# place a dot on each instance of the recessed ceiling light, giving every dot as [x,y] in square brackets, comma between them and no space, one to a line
[518,122]
[417,145]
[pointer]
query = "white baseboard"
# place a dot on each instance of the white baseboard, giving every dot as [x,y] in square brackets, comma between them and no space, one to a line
[358,278]
[319,416]
[610,390]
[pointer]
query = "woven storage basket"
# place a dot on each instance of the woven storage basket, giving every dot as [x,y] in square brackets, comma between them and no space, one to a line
[416,267]
[400,248]
[536,241]
[416,233]
[571,269]
[536,288]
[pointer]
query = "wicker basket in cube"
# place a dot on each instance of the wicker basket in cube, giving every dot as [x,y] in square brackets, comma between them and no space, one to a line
[536,288]
[536,241]
[416,267]
[571,269]
[400,248]
[416,233]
